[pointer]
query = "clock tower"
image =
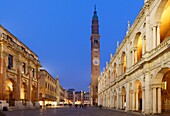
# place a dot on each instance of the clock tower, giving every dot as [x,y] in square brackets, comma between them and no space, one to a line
[95,58]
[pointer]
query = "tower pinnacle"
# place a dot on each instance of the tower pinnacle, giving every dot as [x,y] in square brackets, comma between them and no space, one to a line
[95,13]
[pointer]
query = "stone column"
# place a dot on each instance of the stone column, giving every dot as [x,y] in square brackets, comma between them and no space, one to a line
[37,104]
[133,58]
[19,81]
[133,101]
[113,101]
[2,77]
[147,94]
[154,100]
[143,45]
[130,100]
[117,106]
[18,102]
[154,37]
[159,100]
[120,99]
[123,103]
[102,100]
[127,97]
[137,101]
[158,34]
[136,56]
[99,100]
[29,94]
[143,100]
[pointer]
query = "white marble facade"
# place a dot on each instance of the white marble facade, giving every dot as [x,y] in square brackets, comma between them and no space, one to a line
[137,78]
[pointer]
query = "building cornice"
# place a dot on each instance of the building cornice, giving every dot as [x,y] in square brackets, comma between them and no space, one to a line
[12,36]
[17,48]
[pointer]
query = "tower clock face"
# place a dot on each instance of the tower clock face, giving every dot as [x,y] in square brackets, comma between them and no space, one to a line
[96,61]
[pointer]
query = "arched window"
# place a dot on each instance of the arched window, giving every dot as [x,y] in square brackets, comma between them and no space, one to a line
[138,47]
[109,78]
[123,61]
[165,23]
[115,71]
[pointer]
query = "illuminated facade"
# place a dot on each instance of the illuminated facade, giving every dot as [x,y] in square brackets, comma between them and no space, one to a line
[49,93]
[137,78]
[19,72]
[62,95]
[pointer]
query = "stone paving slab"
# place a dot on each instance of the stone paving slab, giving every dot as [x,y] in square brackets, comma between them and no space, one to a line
[70,111]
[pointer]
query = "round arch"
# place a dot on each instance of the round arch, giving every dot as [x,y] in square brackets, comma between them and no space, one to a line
[162,79]
[162,16]
[159,75]
[159,11]
[123,97]
[24,89]
[123,61]
[10,91]
[138,95]
[138,46]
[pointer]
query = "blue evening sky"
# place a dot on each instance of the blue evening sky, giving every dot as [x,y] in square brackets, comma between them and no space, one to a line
[59,31]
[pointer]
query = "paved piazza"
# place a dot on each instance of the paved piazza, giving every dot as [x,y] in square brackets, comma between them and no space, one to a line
[89,111]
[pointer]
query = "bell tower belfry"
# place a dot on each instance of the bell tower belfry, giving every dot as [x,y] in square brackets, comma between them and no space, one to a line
[95,58]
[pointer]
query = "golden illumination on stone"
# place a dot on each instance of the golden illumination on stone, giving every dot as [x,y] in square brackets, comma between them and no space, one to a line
[23,91]
[9,90]
[124,64]
[139,47]
[165,22]
[115,71]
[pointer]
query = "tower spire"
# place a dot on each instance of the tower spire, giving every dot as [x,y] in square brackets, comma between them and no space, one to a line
[95,13]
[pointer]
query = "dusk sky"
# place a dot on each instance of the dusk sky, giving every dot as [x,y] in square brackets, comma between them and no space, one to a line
[59,31]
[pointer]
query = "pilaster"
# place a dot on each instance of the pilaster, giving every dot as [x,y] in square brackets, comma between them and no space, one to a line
[159,100]
[2,77]
[147,94]
[143,100]
[117,106]
[120,101]
[154,100]
[29,85]
[158,34]
[127,97]
[154,37]
[18,85]
[137,101]
[133,101]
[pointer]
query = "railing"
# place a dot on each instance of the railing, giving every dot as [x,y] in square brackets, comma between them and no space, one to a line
[161,46]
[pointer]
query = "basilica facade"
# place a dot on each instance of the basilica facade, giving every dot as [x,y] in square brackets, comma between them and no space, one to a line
[137,78]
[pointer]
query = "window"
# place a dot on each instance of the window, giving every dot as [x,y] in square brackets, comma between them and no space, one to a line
[10,61]
[46,85]
[23,68]
[96,42]
[33,72]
